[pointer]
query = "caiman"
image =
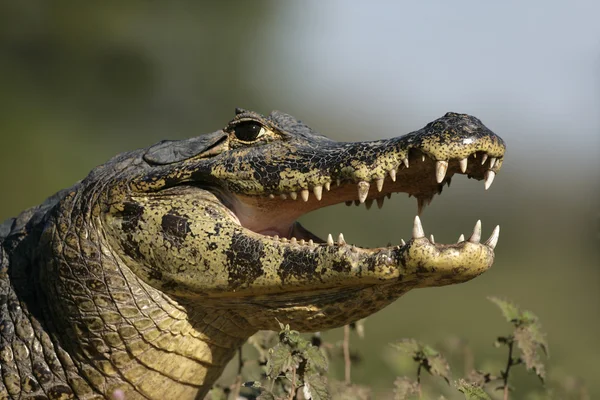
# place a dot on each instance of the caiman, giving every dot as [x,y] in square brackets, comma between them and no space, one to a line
[143,279]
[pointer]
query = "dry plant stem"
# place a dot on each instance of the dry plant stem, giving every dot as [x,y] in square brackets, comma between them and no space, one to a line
[293,390]
[346,347]
[237,386]
[420,392]
[509,363]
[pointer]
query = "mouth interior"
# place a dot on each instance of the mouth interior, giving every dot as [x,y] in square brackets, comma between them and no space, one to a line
[275,214]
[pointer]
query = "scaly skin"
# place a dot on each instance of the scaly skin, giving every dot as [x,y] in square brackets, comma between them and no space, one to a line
[149,274]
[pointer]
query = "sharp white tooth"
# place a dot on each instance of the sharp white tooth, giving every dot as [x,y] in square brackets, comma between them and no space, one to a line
[349,203]
[318,191]
[402,242]
[369,203]
[341,240]
[283,196]
[440,170]
[489,178]
[310,242]
[418,232]
[379,183]
[301,241]
[293,240]
[392,173]
[405,162]
[493,240]
[463,165]
[327,186]
[276,237]
[461,238]
[484,158]
[271,196]
[431,238]
[476,236]
[423,158]
[304,193]
[329,240]
[380,202]
[492,162]
[363,190]
[293,195]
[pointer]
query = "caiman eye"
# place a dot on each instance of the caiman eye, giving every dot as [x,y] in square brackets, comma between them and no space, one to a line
[249,131]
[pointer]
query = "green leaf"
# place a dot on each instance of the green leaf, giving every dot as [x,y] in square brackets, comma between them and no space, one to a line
[407,346]
[317,361]
[428,357]
[471,391]
[510,311]
[405,388]
[315,386]
[528,344]
[280,361]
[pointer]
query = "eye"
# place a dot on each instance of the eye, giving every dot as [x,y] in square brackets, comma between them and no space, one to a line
[248,131]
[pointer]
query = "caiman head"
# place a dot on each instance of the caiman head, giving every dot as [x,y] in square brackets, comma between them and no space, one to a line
[212,220]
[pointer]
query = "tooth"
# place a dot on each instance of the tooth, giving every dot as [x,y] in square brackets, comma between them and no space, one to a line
[489,178]
[329,240]
[476,236]
[327,186]
[402,242]
[484,157]
[283,196]
[357,202]
[422,202]
[392,173]
[284,240]
[318,191]
[293,195]
[423,158]
[276,237]
[271,196]
[304,193]
[440,170]
[492,162]
[301,241]
[461,238]
[389,195]
[363,190]
[369,203]
[293,240]
[405,162]
[493,240]
[463,165]
[417,232]
[380,202]
[310,242]
[349,203]
[341,240]
[432,238]
[379,183]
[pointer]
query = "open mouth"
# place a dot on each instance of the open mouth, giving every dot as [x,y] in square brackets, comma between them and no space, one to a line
[274,215]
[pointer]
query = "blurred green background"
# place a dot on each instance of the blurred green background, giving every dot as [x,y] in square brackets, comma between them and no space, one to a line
[83,81]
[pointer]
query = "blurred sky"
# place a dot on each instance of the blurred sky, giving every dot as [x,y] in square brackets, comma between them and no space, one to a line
[81,82]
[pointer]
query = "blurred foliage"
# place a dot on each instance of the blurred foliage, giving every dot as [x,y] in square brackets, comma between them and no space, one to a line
[83,81]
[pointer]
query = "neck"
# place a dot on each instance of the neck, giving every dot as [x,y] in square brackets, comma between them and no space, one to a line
[122,334]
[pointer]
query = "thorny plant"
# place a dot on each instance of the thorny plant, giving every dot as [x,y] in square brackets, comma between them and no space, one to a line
[294,366]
